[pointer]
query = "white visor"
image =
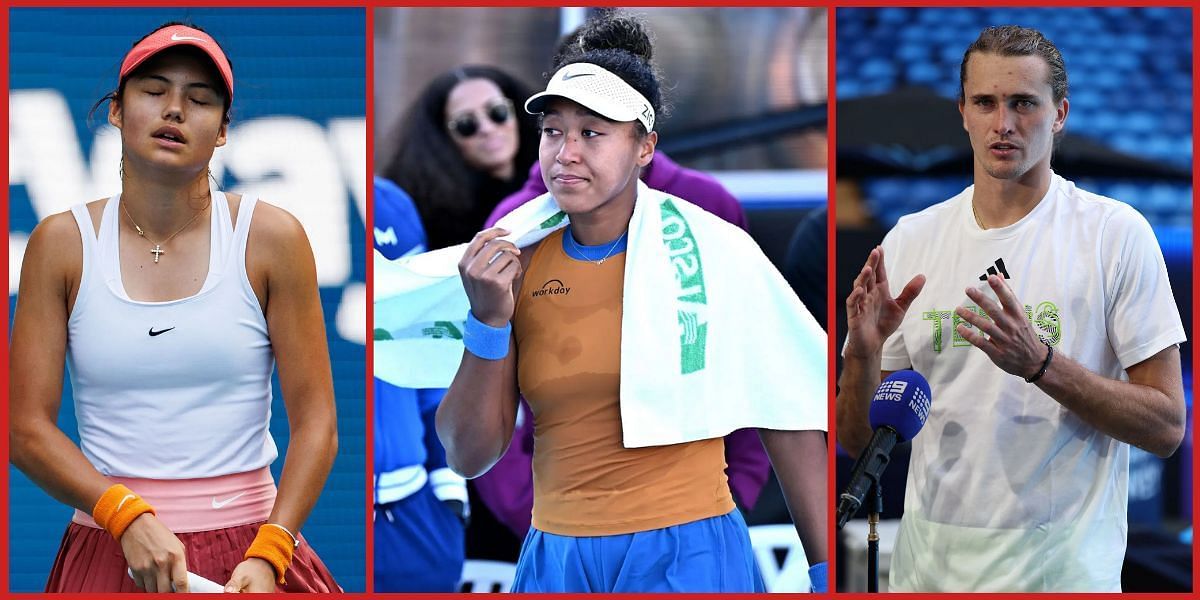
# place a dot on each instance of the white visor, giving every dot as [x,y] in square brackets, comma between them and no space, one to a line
[598,90]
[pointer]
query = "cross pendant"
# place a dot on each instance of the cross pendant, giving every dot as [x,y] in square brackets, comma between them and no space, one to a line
[157,252]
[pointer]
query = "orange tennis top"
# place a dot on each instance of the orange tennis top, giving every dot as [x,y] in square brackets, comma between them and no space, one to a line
[567,326]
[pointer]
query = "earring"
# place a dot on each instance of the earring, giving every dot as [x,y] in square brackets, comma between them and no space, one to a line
[121,168]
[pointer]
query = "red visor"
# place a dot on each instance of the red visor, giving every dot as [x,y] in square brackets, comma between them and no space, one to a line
[178,35]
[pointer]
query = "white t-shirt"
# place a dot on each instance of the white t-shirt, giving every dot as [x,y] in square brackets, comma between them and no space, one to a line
[1007,489]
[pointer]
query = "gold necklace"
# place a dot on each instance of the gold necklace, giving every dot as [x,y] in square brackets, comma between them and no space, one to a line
[157,250]
[976,214]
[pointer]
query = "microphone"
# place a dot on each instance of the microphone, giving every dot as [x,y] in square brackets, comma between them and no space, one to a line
[898,411]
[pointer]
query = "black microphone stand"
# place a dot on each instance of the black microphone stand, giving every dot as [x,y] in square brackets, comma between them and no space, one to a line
[875,506]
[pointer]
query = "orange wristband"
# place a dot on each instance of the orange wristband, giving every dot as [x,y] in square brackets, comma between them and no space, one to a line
[275,545]
[117,507]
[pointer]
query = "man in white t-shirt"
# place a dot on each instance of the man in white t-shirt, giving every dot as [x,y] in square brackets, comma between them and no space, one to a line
[1042,316]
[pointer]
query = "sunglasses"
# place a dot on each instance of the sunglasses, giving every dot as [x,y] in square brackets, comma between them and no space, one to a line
[468,125]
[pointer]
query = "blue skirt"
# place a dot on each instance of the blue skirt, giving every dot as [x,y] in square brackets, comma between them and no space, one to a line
[709,555]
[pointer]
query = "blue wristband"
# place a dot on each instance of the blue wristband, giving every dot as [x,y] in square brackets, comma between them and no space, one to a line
[485,341]
[818,577]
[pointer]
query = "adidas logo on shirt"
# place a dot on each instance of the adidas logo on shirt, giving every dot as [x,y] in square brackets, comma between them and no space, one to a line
[997,269]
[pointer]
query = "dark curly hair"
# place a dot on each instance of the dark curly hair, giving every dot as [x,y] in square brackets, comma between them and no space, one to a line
[447,192]
[621,44]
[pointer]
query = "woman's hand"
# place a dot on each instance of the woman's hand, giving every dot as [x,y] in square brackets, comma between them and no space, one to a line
[253,575]
[488,268]
[155,556]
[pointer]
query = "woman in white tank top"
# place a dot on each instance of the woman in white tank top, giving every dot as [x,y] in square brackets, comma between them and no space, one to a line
[170,304]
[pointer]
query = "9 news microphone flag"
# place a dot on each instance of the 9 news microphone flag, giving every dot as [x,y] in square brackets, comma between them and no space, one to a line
[898,411]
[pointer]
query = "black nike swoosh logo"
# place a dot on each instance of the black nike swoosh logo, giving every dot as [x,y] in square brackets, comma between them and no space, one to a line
[567,76]
[154,333]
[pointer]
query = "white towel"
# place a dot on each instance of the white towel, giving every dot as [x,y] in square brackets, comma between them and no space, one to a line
[713,338]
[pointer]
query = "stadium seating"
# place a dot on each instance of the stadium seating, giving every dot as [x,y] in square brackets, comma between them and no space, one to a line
[1130,87]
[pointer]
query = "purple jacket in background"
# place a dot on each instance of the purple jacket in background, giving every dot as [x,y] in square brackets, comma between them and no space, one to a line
[507,489]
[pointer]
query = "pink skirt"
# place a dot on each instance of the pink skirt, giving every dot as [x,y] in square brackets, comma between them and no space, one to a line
[90,560]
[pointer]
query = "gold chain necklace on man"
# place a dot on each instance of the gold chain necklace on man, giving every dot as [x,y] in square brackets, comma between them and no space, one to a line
[973,212]
[157,250]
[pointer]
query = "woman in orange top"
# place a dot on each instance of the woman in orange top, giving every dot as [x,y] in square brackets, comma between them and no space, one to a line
[547,320]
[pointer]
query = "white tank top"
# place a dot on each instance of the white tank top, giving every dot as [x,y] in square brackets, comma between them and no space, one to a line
[178,389]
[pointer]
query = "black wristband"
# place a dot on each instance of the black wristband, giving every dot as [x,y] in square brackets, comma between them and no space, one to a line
[1045,365]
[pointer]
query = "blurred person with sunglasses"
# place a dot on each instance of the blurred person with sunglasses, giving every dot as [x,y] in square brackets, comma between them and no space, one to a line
[461,148]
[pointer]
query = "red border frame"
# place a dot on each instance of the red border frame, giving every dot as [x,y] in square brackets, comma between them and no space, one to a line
[369,366]
[1195,290]
[831,289]
[369,222]
[4,352]
[369,5]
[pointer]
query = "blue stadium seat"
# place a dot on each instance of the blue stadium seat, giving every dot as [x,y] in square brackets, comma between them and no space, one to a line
[1130,72]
